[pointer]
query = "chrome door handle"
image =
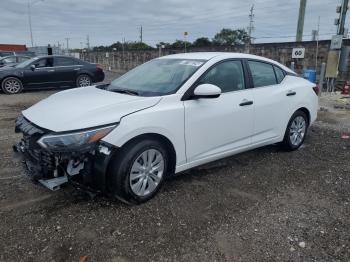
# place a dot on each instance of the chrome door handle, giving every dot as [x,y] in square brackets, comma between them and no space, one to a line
[77,69]
[51,70]
[291,93]
[245,102]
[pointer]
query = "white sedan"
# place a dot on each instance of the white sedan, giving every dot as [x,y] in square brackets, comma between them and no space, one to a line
[163,117]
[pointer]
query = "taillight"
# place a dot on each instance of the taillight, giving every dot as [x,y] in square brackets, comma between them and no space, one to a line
[99,66]
[316,90]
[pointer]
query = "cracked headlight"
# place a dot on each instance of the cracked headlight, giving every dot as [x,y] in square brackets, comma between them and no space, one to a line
[82,140]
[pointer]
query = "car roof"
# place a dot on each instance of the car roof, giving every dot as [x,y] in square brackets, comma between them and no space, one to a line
[45,56]
[222,55]
[14,56]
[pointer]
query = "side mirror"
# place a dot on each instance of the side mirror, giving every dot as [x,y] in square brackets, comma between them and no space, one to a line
[207,91]
[32,67]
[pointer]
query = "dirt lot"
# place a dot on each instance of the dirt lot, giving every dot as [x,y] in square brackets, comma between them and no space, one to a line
[263,205]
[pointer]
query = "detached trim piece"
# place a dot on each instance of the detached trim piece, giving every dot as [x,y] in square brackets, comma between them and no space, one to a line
[101,163]
[26,127]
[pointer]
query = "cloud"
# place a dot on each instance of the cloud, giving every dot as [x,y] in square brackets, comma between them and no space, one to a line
[107,21]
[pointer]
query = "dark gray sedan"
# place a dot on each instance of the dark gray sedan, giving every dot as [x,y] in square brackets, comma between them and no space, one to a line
[49,71]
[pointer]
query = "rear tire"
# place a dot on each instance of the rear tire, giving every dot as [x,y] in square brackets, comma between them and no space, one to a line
[83,80]
[137,172]
[296,131]
[11,85]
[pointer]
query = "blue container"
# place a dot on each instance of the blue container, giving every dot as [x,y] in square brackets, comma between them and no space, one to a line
[310,75]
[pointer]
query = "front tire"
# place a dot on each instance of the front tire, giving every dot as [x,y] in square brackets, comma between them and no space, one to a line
[296,131]
[11,85]
[83,80]
[138,170]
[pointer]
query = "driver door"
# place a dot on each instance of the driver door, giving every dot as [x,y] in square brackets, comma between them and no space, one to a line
[216,127]
[42,75]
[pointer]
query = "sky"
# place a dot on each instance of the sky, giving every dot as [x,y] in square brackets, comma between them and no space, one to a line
[108,21]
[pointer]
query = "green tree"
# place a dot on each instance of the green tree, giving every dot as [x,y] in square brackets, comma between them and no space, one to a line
[117,45]
[137,45]
[165,44]
[231,37]
[180,44]
[202,41]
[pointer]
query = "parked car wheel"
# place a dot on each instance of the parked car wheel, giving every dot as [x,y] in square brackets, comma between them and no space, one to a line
[84,80]
[11,85]
[296,131]
[138,171]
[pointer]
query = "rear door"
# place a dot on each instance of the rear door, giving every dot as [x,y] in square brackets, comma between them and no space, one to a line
[220,125]
[66,70]
[42,76]
[271,99]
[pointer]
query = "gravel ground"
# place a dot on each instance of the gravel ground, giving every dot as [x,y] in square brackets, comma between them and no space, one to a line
[262,205]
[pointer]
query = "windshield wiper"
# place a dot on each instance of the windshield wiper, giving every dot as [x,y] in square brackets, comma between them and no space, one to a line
[125,91]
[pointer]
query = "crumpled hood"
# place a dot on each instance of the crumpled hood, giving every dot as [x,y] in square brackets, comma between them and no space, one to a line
[84,108]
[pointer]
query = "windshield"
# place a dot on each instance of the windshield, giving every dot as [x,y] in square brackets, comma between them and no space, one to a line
[157,77]
[26,63]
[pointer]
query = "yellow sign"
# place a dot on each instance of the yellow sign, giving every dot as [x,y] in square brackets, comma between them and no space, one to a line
[332,64]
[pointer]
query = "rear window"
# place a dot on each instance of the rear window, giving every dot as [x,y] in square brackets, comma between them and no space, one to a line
[64,61]
[262,74]
[279,74]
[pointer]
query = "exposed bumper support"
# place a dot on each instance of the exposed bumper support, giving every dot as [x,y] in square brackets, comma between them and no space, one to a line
[54,183]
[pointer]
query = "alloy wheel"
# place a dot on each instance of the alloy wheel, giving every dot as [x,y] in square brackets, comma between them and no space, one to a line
[84,81]
[297,130]
[12,86]
[146,172]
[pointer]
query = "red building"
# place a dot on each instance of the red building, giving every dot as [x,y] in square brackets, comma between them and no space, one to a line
[11,47]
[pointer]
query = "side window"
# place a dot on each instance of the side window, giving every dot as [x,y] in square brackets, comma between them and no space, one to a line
[22,58]
[63,61]
[262,73]
[44,62]
[227,75]
[11,59]
[279,74]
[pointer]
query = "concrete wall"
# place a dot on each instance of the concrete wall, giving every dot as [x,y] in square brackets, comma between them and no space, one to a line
[282,52]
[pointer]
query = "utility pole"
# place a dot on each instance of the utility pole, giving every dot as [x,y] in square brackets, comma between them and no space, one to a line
[342,16]
[58,47]
[301,17]
[29,5]
[317,38]
[141,34]
[67,39]
[30,23]
[88,42]
[123,45]
[251,26]
[123,51]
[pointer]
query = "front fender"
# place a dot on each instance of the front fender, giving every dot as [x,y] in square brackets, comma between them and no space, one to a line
[165,119]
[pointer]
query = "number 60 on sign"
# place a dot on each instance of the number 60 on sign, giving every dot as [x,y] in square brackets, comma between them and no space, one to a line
[298,53]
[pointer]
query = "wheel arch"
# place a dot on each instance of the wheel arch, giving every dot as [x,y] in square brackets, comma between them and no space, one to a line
[158,137]
[7,76]
[85,72]
[307,112]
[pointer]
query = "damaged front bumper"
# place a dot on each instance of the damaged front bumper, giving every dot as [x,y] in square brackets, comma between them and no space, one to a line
[85,169]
